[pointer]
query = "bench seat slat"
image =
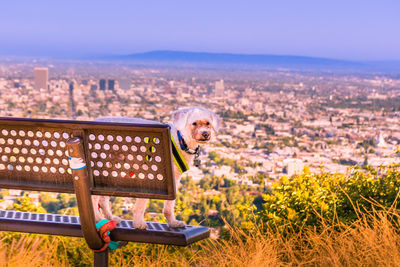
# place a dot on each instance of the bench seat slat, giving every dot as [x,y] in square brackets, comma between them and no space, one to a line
[55,224]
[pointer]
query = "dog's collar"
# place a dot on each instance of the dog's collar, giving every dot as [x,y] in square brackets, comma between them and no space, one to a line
[178,157]
[185,147]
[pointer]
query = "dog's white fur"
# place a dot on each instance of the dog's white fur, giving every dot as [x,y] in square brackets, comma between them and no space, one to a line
[182,120]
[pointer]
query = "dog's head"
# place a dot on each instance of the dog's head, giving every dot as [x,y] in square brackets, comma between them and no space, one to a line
[196,123]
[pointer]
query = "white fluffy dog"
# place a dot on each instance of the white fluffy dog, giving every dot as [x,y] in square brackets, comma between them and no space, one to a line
[190,127]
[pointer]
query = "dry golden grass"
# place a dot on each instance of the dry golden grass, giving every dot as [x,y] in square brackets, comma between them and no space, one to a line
[29,251]
[372,241]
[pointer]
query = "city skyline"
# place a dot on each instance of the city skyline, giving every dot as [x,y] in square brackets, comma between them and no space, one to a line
[309,118]
[354,30]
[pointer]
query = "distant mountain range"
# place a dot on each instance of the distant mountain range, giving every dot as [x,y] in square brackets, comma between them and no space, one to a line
[237,60]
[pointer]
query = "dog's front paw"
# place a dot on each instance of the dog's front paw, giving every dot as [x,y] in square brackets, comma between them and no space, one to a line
[176,224]
[139,224]
[116,219]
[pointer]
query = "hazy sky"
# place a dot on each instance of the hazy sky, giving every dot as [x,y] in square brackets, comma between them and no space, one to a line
[350,29]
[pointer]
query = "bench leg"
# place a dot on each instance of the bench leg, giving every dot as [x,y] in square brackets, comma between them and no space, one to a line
[101,259]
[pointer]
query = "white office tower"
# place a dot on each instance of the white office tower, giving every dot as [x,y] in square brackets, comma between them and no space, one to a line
[380,141]
[124,84]
[219,88]
[41,78]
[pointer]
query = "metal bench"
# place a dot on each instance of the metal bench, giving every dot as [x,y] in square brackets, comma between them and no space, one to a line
[119,159]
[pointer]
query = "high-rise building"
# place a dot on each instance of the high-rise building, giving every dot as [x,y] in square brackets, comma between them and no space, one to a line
[219,88]
[71,98]
[380,141]
[16,84]
[41,78]
[124,84]
[111,85]
[102,85]
[71,87]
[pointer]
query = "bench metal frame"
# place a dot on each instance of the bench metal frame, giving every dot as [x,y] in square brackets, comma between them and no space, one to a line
[122,159]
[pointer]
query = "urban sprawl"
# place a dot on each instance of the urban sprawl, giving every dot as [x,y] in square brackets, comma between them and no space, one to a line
[275,122]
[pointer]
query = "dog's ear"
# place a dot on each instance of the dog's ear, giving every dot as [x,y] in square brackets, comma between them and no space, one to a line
[216,121]
[180,117]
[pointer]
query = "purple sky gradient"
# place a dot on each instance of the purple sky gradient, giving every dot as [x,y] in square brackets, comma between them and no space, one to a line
[355,30]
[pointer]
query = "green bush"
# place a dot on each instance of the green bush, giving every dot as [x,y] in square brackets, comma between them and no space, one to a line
[311,199]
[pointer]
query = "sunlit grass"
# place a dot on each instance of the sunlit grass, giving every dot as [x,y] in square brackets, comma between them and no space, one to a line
[373,240]
[29,251]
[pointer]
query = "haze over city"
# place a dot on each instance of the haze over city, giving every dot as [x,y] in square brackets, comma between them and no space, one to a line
[351,30]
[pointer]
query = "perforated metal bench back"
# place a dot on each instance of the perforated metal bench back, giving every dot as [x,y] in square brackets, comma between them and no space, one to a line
[122,159]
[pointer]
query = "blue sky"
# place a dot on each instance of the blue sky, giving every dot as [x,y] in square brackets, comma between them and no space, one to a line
[356,30]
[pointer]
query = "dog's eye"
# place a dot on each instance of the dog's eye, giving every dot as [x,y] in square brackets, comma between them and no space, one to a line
[194,123]
[207,123]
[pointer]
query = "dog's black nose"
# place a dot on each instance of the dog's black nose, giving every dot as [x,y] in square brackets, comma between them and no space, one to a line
[206,134]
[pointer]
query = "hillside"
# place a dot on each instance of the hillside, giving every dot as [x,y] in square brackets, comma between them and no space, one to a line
[230,60]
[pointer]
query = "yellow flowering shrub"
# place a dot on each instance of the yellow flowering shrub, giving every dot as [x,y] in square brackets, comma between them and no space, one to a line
[311,199]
